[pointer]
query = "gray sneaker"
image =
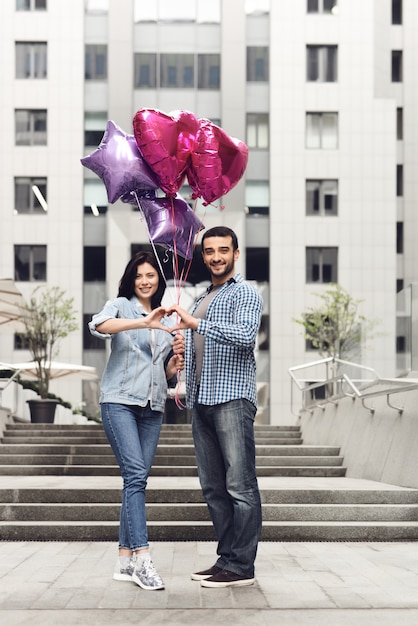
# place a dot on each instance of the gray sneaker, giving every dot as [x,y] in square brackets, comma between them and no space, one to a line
[124,568]
[146,576]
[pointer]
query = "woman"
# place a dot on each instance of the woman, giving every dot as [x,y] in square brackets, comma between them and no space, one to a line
[144,357]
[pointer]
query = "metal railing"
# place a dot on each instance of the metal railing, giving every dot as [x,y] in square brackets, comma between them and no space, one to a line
[335,383]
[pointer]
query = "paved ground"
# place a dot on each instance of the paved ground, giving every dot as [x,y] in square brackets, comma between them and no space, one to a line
[299,584]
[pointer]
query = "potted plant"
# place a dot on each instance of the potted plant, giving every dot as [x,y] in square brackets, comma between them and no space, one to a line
[48,318]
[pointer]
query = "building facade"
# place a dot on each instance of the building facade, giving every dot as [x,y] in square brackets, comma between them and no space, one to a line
[323,93]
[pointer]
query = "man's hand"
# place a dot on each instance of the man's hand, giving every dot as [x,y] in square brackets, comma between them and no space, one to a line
[154,319]
[179,343]
[186,320]
[176,362]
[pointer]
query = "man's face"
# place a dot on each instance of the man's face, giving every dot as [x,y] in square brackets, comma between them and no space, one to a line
[219,257]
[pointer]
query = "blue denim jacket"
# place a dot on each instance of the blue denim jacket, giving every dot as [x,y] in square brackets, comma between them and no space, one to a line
[135,371]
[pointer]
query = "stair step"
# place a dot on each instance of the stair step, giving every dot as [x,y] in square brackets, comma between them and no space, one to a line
[203,531]
[160,470]
[102,440]
[199,512]
[104,448]
[162,460]
[178,495]
[164,428]
[180,514]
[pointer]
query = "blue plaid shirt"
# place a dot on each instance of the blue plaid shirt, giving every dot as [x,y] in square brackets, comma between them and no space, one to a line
[230,330]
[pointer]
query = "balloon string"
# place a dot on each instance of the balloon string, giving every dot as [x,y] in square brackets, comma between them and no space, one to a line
[177,393]
[179,278]
[150,238]
[177,291]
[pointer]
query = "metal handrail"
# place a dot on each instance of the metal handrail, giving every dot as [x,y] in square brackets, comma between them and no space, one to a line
[334,385]
[7,382]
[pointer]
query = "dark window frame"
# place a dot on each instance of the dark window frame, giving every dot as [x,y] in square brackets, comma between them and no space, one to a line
[32,269]
[321,272]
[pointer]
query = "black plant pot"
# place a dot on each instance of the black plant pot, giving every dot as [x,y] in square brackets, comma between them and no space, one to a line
[42,411]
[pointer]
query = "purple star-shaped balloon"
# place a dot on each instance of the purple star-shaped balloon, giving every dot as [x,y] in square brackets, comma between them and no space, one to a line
[118,162]
[171,223]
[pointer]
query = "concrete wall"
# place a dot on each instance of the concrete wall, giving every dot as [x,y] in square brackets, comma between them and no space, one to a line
[5,418]
[378,446]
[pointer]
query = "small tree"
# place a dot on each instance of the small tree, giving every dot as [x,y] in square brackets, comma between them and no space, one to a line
[48,318]
[336,328]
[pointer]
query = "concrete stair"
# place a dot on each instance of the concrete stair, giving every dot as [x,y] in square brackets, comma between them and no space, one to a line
[62,483]
[41,449]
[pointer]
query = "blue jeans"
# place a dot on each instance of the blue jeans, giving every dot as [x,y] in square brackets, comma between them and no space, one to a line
[133,433]
[225,452]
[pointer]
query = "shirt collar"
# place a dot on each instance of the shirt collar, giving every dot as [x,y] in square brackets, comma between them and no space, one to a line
[231,280]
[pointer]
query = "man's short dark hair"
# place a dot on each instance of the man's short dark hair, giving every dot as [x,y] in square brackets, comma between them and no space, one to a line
[221,231]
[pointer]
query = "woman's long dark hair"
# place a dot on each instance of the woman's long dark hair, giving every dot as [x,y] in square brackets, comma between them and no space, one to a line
[127,282]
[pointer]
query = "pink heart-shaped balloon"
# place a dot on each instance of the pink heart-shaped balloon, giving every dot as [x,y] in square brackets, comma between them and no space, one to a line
[218,162]
[166,142]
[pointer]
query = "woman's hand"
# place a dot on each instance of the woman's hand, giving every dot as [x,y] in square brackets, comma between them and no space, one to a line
[119,324]
[186,319]
[154,319]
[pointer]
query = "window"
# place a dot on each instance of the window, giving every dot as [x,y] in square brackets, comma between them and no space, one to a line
[208,71]
[321,6]
[95,62]
[176,70]
[399,180]
[31,59]
[400,344]
[322,265]
[30,127]
[399,237]
[322,130]
[257,64]
[90,342]
[21,342]
[95,197]
[30,263]
[30,5]
[258,130]
[399,124]
[94,264]
[257,7]
[321,63]
[145,70]
[396,66]
[26,201]
[257,197]
[321,197]
[96,6]
[257,264]
[396,11]
[399,284]
[94,127]
[200,11]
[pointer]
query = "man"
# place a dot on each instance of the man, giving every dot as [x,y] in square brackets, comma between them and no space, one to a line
[221,390]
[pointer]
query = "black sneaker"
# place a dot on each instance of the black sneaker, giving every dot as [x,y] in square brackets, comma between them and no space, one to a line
[225,578]
[206,573]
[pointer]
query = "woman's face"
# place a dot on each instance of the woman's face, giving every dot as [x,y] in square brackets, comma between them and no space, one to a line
[146,284]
